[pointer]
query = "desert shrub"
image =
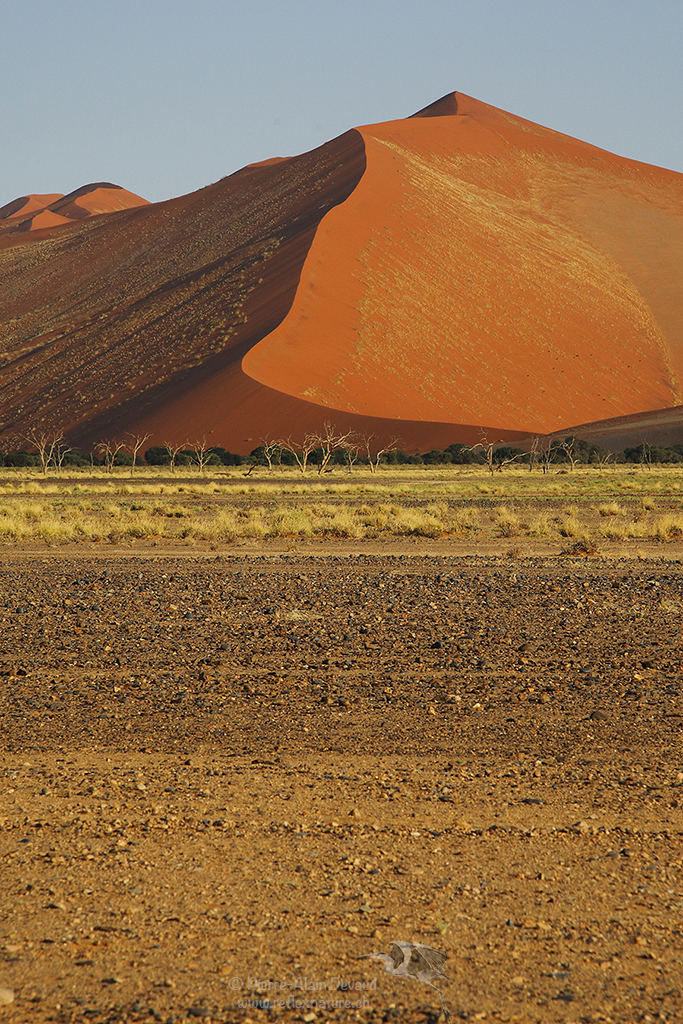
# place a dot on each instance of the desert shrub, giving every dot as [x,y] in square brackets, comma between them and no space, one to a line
[613,531]
[669,528]
[507,522]
[464,520]
[585,545]
[416,523]
[76,458]
[20,459]
[570,527]
[225,458]
[539,526]
[610,508]
[290,523]
[258,457]
[462,455]
[436,457]
[645,453]
[157,456]
[341,524]
[396,458]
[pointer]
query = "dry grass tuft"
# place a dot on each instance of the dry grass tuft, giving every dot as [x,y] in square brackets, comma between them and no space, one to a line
[611,508]
[539,526]
[668,527]
[585,545]
[570,527]
[507,522]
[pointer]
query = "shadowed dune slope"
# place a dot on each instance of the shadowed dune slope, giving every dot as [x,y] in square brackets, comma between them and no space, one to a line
[109,320]
[458,273]
[662,427]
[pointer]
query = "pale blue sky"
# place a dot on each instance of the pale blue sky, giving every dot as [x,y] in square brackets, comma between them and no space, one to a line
[165,96]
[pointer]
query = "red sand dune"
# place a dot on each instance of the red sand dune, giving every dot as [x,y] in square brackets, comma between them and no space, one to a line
[33,213]
[486,269]
[458,273]
[661,427]
[26,206]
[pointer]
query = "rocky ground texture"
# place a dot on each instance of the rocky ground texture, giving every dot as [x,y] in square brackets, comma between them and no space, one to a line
[224,779]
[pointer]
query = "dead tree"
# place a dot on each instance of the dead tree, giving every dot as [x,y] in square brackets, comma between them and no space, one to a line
[200,454]
[59,454]
[646,454]
[301,451]
[366,443]
[374,460]
[605,459]
[507,460]
[352,449]
[488,448]
[45,445]
[533,452]
[134,446]
[270,449]
[567,446]
[109,449]
[547,449]
[329,441]
[172,451]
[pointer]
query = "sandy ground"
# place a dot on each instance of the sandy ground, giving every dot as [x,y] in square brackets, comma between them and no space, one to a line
[226,777]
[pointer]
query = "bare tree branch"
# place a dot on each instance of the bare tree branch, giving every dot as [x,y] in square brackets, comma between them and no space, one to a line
[300,450]
[200,453]
[567,446]
[547,449]
[330,441]
[46,445]
[365,442]
[604,459]
[172,450]
[487,447]
[533,452]
[270,450]
[136,443]
[109,449]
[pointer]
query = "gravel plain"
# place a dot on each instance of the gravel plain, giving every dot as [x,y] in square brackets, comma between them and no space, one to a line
[226,777]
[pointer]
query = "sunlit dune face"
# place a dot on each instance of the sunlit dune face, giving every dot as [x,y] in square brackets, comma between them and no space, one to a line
[40,212]
[44,219]
[101,200]
[483,271]
[23,207]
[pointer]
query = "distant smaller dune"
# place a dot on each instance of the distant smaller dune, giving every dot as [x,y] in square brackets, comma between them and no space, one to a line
[25,206]
[41,212]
